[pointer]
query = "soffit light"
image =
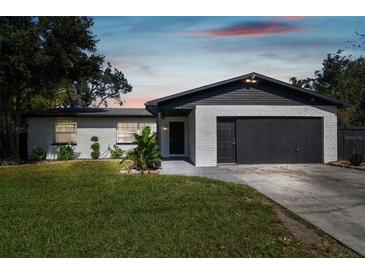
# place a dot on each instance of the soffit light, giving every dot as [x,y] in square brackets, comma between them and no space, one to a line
[251,79]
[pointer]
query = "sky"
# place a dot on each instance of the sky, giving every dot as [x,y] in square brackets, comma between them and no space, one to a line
[161,56]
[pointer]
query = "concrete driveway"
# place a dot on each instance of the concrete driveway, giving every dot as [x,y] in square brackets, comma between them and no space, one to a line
[331,198]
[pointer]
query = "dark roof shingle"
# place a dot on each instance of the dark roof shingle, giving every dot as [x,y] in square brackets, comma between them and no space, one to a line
[242,77]
[91,112]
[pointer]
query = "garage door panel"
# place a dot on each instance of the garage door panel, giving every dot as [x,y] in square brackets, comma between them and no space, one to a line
[279,140]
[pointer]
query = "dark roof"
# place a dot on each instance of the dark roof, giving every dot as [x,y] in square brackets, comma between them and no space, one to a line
[91,112]
[245,76]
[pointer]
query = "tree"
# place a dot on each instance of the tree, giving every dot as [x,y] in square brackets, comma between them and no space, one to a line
[342,77]
[359,42]
[21,57]
[108,83]
[49,61]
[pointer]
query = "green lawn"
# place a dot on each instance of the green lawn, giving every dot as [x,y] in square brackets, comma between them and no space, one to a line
[87,209]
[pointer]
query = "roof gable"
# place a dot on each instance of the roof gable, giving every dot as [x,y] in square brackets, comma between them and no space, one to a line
[278,89]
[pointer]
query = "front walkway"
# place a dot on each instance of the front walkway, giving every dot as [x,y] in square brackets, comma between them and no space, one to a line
[181,167]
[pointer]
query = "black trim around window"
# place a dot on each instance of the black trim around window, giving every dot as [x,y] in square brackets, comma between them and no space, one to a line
[63,144]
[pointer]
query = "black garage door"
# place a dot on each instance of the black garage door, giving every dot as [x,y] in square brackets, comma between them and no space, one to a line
[267,140]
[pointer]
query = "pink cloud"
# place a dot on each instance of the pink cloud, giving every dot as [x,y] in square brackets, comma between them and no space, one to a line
[250,29]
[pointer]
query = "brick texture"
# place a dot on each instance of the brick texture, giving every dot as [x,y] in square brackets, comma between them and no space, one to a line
[206,126]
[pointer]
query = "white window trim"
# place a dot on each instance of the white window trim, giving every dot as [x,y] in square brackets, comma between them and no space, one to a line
[66,122]
[139,130]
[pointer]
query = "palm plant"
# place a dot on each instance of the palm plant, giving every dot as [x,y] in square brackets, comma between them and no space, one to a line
[147,154]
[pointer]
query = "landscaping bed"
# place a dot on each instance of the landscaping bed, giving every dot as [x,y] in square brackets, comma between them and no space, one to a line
[347,164]
[88,209]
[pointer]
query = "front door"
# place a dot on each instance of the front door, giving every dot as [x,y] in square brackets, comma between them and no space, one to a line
[226,140]
[177,138]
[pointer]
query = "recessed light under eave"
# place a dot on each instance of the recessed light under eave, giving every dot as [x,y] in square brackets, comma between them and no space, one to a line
[250,81]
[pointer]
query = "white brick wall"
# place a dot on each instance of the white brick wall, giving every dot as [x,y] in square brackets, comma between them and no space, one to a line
[191,134]
[206,127]
[41,133]
[200,130]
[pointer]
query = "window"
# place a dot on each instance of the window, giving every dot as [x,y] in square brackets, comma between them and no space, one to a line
[65,132]
[126,131]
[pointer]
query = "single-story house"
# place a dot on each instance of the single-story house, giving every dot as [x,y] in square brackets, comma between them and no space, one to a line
[247,119]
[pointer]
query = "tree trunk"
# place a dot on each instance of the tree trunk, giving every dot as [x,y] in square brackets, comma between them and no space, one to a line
[11,151]
[2,135]
[17,122]
[8,139]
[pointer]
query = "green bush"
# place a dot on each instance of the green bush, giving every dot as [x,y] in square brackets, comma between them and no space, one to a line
[147,154]
[95,148]
[116,152]
[356,158]
[39,154]
[95,155]
[11,161]
[65,153]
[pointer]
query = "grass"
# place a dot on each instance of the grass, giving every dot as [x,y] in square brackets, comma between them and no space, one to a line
[87,209]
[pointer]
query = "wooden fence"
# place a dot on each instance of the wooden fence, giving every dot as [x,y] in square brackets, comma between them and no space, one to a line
[350,139]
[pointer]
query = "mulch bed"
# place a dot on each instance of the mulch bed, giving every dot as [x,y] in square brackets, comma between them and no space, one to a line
[347,164]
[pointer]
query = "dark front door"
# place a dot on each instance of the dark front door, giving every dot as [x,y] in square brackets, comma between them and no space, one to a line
[177,136]
[226,140]
[271,140]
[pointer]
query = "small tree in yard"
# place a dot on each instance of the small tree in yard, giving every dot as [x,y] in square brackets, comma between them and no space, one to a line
[147,154]
[95,147]
[356,158]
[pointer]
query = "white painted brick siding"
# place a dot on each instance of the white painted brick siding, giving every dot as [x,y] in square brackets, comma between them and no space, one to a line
[191,134]
[200,130]
[206,126]
[41,133]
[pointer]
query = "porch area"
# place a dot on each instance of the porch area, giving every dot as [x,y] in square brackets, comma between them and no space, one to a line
[176,134]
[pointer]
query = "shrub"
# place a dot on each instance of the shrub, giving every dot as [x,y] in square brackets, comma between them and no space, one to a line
[95,155]
[355,158]
[147,154]
[39,154]
[116,152]
[65,153]
[95,147]
[10,161]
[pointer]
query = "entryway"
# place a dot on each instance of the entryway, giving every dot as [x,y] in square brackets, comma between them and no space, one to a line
[177,138]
